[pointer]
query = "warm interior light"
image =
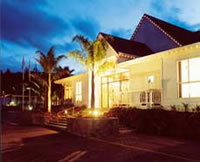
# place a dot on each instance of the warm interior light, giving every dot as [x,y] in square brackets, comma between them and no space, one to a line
[65,111]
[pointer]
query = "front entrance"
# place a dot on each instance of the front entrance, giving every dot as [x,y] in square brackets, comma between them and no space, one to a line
[114,90]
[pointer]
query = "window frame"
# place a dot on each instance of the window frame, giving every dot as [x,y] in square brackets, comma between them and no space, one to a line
[179,78]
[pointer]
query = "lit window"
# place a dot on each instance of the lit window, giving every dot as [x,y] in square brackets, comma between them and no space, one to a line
[189,78]
[78,91]
[68,92]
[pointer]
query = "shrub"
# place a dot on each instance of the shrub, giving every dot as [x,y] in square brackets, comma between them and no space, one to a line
[186,106]
[160,122]
[197,108]
[173,107]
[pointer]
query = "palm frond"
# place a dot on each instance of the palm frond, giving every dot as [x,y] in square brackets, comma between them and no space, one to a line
[99,50]
[77,55]
[40,79]
[84,42]
[107,65]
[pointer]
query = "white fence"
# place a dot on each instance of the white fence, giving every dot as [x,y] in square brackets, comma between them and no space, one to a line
[148,98]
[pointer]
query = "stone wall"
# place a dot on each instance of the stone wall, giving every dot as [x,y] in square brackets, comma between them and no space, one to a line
[93,127]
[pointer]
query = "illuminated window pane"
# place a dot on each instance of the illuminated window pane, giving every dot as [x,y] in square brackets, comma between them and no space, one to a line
[190,77]
[68,92]
[104,96]
[194,89]
[185,90]
[104,79]
[184,71]
[78,91]
[194,69]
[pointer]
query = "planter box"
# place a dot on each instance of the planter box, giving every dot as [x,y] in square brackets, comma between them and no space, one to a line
[92,127]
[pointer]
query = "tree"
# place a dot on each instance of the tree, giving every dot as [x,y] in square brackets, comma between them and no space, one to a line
[39,83]
[48,63]
[92,55]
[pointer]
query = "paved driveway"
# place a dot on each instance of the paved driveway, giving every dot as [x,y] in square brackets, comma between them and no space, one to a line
[35,144]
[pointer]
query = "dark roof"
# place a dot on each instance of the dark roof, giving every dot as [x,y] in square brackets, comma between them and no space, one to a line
[127,46]
[182,36]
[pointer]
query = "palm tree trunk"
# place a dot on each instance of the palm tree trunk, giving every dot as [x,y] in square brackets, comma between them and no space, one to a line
[49,92]
[92,93]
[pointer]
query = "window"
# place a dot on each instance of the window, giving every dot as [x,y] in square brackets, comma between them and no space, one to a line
[114,89]
[189,78]
[68,92]
[78,91]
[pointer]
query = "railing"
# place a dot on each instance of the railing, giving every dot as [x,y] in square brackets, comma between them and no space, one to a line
[146,98]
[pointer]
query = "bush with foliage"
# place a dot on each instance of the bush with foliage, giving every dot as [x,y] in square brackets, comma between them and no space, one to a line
[159,122]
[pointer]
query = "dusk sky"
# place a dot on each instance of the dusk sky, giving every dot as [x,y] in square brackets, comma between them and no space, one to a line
[30,25]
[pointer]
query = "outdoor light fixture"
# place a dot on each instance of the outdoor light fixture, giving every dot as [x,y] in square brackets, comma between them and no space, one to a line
[12,103]
[95,113]
[65,111]
[30,107]
[151,79]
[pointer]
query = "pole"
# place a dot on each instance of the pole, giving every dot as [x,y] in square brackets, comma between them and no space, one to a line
[23,93]
[29,78]
[23,84]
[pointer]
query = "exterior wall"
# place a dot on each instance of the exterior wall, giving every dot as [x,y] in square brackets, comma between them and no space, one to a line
[170,75]
[139,73]
[84,79]
[164,67]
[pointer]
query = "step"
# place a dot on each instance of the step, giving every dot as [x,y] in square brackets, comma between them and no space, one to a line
[58,123]
[124,130]
[56,126]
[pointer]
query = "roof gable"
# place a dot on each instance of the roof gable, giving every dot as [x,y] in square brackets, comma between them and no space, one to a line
[162,34]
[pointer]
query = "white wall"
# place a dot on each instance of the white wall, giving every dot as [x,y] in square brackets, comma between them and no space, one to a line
[170,75]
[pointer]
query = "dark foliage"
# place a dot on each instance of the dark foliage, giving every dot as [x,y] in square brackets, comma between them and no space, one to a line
[160,122]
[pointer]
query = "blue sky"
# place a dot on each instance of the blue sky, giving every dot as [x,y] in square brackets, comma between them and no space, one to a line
[30,25]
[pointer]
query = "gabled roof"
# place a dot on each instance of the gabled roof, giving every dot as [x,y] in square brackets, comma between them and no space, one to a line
[127,46]
[177,34]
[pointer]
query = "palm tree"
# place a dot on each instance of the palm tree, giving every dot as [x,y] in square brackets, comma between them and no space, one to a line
[48,63]
[92,55]
[62,72]
[39,83]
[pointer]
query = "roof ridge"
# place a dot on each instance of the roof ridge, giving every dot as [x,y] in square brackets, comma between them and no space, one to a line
[162,30]
[148,17]
[137,27]
[113,36]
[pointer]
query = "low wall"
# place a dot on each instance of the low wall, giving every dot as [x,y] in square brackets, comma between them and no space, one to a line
[93,127]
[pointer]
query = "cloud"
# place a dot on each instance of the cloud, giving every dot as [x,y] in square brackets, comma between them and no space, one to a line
[30,26]
[184,14]
[86,26]
[123,33]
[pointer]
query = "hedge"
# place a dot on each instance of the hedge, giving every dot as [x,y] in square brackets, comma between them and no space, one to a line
[160,122]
